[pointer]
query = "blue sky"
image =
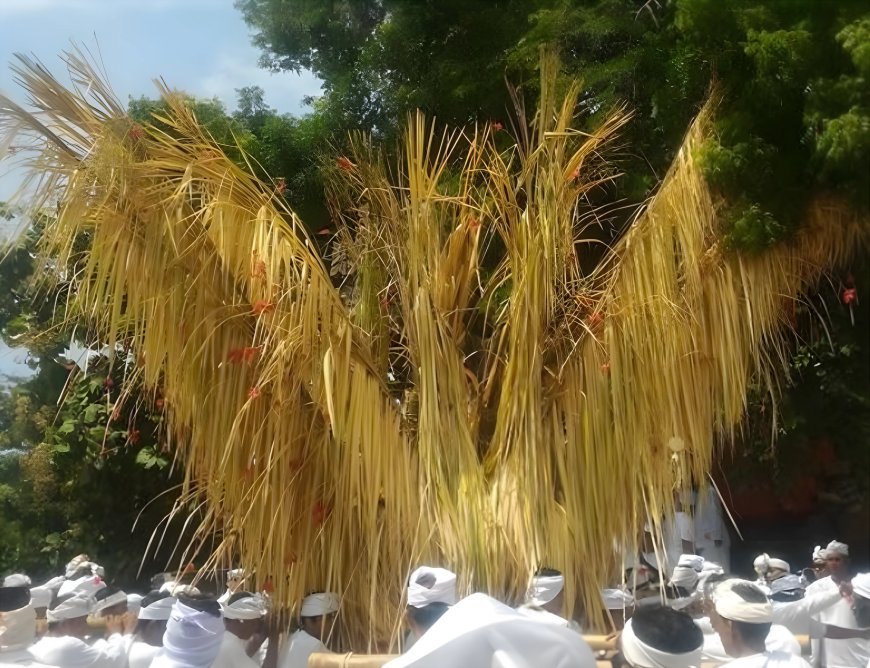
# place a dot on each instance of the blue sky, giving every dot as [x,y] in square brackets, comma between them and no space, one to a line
[201,46]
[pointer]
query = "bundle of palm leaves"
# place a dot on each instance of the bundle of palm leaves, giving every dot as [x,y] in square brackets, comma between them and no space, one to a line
[471,394]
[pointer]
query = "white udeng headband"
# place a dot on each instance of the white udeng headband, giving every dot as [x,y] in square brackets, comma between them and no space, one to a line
[158,610]
[249,607]
[641,655]
[730,606]
[110,600]
[545,588]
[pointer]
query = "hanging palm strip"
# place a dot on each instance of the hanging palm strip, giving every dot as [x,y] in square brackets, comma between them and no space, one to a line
[468,396]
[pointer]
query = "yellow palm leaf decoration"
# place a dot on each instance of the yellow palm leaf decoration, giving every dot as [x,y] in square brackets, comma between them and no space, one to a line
[493,421]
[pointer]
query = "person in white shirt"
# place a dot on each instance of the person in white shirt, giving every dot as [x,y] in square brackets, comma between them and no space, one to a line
[17,628]
[839,652]
[243,618]
[661,638]
[153,615]
[712,540]
[742,616]
[316,621]
[193,635]
[480,631]
[68,625]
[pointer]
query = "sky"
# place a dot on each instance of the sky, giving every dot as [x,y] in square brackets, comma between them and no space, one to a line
[200,46]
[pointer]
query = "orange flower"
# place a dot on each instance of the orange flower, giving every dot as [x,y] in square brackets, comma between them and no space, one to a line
[134,436]
[262,307]
[497,126]
[473,223]
[158,404]
[345,164]
[254,392]
[849,295]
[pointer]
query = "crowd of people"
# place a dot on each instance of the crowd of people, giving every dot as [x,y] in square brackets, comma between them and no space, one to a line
[695,614]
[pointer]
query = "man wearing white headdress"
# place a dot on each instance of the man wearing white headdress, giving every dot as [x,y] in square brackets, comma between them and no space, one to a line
[193,637]
[661,638]
[742,616]
[68,625]
[17,628]
[431,591]
[480,631]
[243,617]
[150,627]
[836,652]
[316,620]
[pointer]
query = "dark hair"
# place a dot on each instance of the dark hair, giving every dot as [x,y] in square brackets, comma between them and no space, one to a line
[667,630]
[426,616]
[105,592]
[14,598]
[547,572]
[752,634]
[788,596]
[152,596]
[238,596]
[202,603]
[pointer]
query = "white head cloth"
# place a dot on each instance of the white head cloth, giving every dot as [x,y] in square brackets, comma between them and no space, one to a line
[16,580]
[17,628]
[192,639]
[78,605]
[778,564]
[731,606]
[861,585]
[109,601]
[616,599]
[87,584]
[641,655]
[836,547]
[818,553]
[134,602]
[709,569]
[479,631]
[685,577]
[760,564]
[442,591]
[544,589]
[157,610]
[175,589]
[249,607]
[317,605]
[40,597]
[236,574]
[74,564]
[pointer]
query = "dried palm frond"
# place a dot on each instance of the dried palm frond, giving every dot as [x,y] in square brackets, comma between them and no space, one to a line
[472,398]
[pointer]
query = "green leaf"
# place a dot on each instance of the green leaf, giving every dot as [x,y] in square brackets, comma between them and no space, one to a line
[68,427]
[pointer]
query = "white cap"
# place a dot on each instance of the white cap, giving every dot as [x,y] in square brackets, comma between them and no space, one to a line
[443,589]
[317,605]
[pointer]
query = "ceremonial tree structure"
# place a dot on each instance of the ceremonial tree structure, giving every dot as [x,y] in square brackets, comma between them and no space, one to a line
[477,392]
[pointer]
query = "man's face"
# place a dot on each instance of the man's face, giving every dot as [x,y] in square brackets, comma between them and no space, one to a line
[244,628]
[556,606]
[836,564]
[319,627]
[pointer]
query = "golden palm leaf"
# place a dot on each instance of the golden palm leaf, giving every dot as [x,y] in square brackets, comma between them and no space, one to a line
[336,437]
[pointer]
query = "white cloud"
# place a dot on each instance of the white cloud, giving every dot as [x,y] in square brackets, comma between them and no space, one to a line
[284,90]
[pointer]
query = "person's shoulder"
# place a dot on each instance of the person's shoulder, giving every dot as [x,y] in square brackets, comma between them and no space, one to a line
[20,659]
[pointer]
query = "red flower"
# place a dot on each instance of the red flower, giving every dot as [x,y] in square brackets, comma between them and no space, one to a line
[497,126]
[262,307]
[849,295]
[473,223]
[268,587]
[158,404]
[135,132]
[345,164]
[605,368]
[575,174]
[281,185]
[321,512]
[595,319]
[254,392]
[134,436]
[190,568]
[108,382]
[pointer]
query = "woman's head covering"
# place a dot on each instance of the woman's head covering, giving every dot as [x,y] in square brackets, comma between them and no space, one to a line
[192,639]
